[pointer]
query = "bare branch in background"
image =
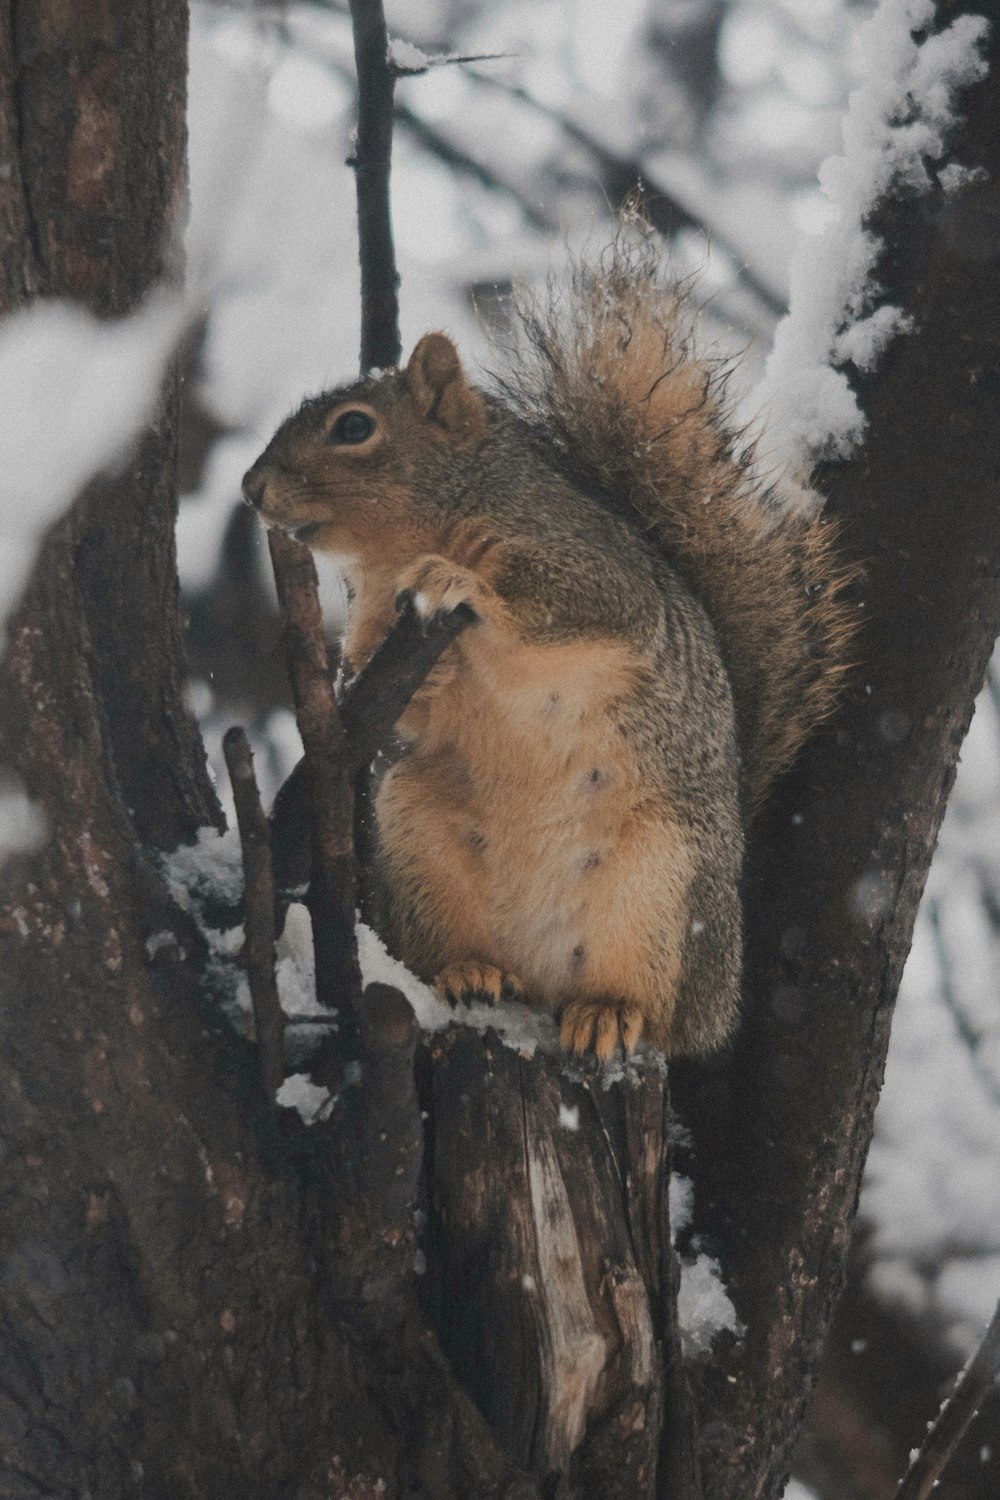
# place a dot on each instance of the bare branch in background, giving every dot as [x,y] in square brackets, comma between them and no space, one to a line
[448,148]
[975,1383]
[380,345]
[623,174]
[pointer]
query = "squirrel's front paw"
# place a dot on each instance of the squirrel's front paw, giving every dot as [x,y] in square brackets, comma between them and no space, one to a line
[470,980]
[436,586]
[600,1024]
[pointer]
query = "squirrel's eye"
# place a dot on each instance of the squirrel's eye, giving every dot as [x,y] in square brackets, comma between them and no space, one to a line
[351,427]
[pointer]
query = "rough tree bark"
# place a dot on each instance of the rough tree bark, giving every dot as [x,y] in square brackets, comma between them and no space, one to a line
[835,876]
[200,1297]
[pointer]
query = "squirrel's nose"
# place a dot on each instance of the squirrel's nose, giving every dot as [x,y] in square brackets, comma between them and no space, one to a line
[254,485]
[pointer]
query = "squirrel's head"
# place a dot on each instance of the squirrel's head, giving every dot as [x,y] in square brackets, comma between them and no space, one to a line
[366,462]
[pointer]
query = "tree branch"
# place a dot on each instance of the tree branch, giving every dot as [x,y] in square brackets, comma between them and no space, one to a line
[371,705]
[975,1383]
[331,896]
[258,901]
[836,870]
[380,345]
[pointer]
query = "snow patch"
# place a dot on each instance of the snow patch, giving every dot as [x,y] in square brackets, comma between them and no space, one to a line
[158,941]
[404,57]
[681,1204]
[209,869]
[518,1026]
[204,879]
[704,1309]
[896,126]
[299,1092]
[23,826]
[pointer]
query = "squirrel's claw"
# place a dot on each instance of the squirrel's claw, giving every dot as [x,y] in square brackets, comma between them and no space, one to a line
[435,586]
[462,983]
[601,1025]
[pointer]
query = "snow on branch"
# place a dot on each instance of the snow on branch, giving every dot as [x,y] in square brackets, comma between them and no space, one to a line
[406,60]
[895,144]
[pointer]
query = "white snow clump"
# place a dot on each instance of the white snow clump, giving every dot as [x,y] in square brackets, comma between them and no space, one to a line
[704,1309]
[897,122]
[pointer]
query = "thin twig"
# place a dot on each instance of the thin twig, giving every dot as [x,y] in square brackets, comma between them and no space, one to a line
[975,1383]
[258,900]
[380,345]
[332,894]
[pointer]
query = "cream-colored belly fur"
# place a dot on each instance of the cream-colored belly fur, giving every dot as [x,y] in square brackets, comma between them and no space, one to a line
[517,829]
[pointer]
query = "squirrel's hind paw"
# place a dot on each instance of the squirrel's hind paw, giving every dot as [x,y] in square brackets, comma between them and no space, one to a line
[601,1025]
[462,983]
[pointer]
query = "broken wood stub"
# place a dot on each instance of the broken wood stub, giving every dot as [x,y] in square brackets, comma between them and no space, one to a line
[549,1272]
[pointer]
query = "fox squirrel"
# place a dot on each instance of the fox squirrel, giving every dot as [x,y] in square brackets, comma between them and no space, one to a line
[657,633]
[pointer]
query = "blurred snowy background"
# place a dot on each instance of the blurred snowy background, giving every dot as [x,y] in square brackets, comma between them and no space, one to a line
[724,110]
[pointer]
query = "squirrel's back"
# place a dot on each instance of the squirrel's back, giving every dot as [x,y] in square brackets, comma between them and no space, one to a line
[607,374]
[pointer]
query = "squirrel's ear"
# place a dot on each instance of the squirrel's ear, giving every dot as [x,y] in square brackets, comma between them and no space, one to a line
[440,389]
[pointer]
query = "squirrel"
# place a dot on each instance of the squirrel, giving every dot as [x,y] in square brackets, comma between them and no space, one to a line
[657,632]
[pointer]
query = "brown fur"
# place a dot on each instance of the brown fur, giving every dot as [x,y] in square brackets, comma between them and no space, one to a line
[566,818]
[609,371]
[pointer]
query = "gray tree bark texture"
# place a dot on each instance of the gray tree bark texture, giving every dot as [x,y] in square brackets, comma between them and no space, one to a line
[198,1296]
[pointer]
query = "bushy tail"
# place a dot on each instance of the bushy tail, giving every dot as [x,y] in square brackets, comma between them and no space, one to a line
[608,371]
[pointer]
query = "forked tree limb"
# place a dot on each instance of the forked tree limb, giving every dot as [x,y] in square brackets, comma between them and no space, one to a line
[976,1382]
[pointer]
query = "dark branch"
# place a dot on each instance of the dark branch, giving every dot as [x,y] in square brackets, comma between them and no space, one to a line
[380,345]
[258,900]
[836,869]
[331,897]
[377,697]
[975,1383]
[372,704]
[375,1227]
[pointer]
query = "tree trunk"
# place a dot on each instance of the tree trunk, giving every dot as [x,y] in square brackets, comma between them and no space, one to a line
[836,874]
